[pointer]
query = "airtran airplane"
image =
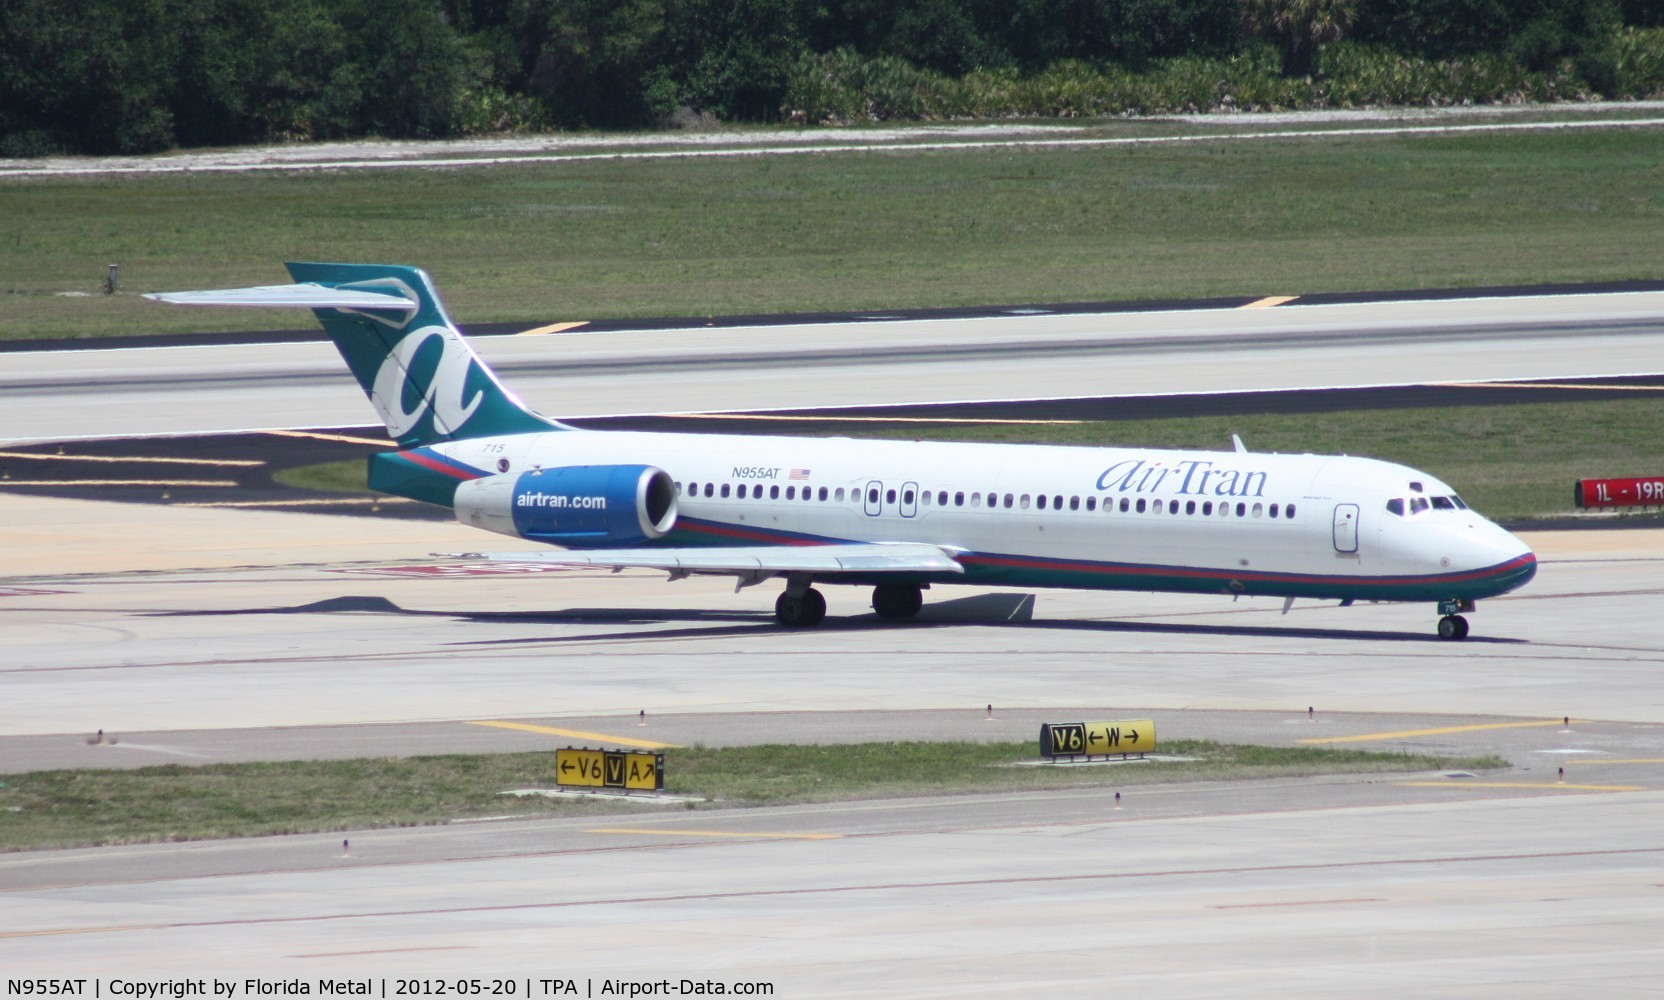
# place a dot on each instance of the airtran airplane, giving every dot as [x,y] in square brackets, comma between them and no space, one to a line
[896,516]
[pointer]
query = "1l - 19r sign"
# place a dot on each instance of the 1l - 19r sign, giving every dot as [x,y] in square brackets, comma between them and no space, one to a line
[1644,492]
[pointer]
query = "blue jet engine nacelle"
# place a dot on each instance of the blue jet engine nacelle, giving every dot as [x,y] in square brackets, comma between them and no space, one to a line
[576,506]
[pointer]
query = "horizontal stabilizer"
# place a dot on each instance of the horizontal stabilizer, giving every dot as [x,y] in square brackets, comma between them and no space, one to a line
[865,559]
[303,296]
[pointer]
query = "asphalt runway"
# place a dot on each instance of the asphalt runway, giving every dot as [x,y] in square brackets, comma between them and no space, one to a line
[191,634]
[59,395]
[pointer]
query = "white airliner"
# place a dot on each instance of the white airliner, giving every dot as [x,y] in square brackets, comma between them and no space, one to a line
[897,516]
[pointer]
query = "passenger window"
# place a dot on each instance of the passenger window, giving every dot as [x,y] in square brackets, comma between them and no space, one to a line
[942,498]
[724,491]
[976,499]
[1207,508]
[959,499]
[773,492]
[1039,501]
[889,496]
[1125,504]
[1023,501]
[1172,506]
[1140,505]
[678,489]
[872,495]
[823,493]
[1273,510]
[791,492]
[709,489]
[907,497]
[1259,510]
[1008,499]
[924,497]
[1241,510]
[1288,512]
[1074,503]
[1091,503]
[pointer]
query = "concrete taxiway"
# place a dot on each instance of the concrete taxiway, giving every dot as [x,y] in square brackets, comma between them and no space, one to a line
[193,634]
[228,634]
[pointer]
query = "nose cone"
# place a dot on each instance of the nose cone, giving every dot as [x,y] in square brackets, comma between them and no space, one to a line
[1499,560]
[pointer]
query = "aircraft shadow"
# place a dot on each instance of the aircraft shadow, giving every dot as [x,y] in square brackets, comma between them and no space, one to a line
[999,610]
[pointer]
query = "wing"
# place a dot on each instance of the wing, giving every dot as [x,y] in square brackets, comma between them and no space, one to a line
[758,562]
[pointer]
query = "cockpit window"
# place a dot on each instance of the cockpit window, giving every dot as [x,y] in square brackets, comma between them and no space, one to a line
[1459,502]
[1443,503]
[1417,505]
[1395,506]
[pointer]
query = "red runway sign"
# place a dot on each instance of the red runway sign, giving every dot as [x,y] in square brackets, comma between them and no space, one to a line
[1641,492]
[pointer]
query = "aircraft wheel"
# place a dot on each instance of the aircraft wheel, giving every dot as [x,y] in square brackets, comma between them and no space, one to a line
[800,611]
[897,600]
[814,608]
[1453,627]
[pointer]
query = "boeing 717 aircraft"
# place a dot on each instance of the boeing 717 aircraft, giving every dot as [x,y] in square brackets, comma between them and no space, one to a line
[896,516]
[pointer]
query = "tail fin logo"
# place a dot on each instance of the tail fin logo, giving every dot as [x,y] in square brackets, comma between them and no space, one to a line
[445,394]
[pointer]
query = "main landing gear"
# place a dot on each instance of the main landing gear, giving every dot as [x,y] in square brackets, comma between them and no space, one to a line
[1453,627]
[802,606]
[897,600]
[800,610]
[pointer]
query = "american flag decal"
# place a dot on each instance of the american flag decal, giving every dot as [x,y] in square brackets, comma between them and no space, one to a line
[798,475]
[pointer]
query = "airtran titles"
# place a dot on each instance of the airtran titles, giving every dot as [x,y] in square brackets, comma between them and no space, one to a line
[1190,477]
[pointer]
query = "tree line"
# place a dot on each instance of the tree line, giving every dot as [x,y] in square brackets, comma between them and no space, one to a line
[132,76]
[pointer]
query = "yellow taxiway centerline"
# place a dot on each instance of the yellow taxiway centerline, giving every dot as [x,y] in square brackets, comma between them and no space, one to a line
[347,438]
[137,459]
[1269,301]
[720,834]
[834,418]
[1553,786]
[552,328]
[576,734]
[226,483]
[1367,737]
[1632,760]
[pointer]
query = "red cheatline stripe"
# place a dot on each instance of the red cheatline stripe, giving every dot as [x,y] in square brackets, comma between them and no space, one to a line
[437,463]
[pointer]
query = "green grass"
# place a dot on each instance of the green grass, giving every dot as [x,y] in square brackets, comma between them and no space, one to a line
[72,808]
[1510,462]
[345,476]
[581,240]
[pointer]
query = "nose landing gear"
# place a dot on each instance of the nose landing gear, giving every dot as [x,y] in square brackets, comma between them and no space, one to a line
[1453,627]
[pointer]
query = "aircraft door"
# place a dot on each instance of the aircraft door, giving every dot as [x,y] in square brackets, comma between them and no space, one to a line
[1346,527]
[874,499]
[909,499]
